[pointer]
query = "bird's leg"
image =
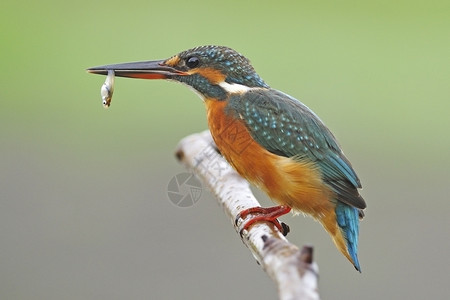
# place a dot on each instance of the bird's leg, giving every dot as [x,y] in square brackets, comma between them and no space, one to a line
[268,214]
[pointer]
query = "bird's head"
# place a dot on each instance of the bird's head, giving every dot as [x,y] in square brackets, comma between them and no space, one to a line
[213,71]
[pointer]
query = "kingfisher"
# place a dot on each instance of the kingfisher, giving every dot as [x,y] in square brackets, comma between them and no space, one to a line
[270,138]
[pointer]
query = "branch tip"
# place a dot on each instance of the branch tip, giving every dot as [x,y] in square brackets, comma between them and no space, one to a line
[179,154]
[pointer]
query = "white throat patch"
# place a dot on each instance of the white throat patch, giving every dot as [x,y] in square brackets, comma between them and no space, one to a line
[234,88]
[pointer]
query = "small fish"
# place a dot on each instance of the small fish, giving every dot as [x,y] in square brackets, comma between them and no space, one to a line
[107,89]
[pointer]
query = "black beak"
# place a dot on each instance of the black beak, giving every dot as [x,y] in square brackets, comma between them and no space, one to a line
[156,69]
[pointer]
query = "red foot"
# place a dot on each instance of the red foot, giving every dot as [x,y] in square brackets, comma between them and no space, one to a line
[269,214]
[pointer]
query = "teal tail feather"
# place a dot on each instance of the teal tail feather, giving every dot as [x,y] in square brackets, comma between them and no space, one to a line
[348,220]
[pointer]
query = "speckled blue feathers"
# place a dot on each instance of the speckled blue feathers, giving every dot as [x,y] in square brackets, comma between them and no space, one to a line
[234,66]
[286,127]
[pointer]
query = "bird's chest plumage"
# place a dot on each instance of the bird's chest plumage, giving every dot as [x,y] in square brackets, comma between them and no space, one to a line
[235,143]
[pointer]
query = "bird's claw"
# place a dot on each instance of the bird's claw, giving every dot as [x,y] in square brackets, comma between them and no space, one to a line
[286,228]
[264,214]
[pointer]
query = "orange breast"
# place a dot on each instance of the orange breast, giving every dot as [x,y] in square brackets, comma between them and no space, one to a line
[287,181]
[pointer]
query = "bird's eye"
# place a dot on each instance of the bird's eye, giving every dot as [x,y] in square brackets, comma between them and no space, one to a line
[192,62]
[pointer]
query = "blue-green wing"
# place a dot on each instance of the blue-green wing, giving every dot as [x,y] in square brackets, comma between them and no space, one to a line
[286,127]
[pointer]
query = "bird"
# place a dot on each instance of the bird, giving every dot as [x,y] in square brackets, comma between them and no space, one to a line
[270,138]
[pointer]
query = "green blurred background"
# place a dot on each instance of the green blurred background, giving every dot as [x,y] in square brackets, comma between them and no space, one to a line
[84,212]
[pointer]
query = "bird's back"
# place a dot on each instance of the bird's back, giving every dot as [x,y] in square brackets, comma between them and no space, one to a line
[286,127]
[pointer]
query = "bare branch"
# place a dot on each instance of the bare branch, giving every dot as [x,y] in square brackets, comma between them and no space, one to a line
[294,272]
